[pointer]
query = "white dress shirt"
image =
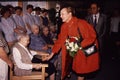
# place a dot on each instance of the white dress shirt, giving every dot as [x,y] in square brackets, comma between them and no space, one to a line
[97,17]
[17,58]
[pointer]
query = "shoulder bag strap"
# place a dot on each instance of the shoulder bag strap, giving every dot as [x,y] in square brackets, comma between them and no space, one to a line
[81,38]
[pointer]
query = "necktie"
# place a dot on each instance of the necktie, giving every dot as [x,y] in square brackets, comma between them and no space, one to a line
[95,21]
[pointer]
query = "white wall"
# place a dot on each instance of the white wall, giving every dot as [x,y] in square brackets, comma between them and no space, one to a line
[13,3]
[41,4]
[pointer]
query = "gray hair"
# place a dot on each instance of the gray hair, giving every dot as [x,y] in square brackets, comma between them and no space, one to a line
[22,35]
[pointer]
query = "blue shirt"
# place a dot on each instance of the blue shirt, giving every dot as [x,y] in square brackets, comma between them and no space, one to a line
[19,20]
[8,26]
[37,43]
[28,19]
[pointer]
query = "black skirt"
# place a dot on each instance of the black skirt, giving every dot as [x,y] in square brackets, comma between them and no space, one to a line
[88,75]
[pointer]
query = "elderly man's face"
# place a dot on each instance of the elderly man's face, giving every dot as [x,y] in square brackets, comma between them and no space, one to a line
[25,41]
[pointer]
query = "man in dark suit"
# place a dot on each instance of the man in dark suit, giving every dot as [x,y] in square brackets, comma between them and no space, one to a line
[98,20]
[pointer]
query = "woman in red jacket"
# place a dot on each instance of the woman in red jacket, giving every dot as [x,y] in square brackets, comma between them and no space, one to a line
[82,64]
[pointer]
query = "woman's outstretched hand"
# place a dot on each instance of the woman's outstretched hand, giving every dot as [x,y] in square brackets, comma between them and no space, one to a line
[48,57]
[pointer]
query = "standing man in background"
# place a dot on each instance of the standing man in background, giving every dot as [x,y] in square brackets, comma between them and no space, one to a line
[98,20]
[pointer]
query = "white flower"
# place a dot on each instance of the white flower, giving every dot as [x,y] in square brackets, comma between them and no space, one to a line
[72,45]
[76,38]
[68,47]
[72,49]
[76,46]
[67,40]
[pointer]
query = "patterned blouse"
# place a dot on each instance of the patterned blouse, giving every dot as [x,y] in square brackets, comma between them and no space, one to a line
[3,43]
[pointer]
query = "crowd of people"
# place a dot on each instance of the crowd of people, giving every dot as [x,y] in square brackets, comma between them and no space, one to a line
[24,35]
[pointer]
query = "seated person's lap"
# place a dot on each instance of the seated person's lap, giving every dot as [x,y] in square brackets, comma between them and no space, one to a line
[50,69]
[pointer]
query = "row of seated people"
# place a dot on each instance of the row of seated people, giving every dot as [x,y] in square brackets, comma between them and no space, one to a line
[21,55]
[11,32]
[41,42]
[25,59]
[13,24]
[38,42]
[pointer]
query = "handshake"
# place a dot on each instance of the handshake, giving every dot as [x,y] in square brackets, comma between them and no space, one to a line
[47,57]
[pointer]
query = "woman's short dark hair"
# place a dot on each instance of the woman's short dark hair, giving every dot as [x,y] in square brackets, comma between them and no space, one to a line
[18,8]
[29,6]
[4,10]
[37,9]
[10,6]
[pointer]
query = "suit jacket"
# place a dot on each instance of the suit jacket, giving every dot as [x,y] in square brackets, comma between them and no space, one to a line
[101,25]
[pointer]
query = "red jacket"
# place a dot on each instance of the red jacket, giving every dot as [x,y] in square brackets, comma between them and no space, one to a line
[81,63]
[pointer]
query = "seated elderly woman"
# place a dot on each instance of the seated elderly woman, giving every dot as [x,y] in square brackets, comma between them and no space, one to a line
[36,41]
[22,57]
[45,34]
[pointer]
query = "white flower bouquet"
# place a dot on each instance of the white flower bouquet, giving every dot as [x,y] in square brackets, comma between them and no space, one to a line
[72,45]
